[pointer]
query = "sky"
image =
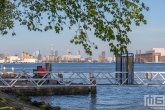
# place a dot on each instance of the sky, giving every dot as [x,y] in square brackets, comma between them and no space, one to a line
[143,37]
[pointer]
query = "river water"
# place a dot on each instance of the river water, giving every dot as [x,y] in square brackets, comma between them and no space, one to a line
[107,97]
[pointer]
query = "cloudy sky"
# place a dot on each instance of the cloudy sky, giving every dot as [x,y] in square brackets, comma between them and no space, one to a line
[142,38]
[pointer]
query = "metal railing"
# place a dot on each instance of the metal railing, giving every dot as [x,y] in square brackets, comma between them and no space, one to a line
[53,79]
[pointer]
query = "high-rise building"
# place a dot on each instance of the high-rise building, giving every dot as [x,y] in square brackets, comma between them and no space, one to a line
[103,56]
[56,53]
[37,53]
[78,52]
[52,54]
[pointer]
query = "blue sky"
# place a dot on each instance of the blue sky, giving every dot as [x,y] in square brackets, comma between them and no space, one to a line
[142,38]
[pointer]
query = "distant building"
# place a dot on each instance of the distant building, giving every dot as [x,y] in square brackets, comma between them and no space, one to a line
[2,56]
[38,55]
[9,59]
[14,59]
[78,52]
[82,59]
[67,52]
[89,59]
[114,58]
[56,53]
[70,58]
[155,55]
[40,58]
[44,59]
[2,61]
[109,59]
[103,56]
[51,58]
[28,58]
[100,58]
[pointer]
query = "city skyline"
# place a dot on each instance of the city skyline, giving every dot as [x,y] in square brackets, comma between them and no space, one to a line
[78,52]
[142,38]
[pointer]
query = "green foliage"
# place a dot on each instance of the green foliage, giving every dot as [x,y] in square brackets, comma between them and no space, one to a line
[109,20]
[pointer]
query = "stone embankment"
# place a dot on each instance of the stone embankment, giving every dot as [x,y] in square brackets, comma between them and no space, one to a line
[13,102]
[48,91]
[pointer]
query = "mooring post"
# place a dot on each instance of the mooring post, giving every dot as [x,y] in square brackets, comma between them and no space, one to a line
[60,76]
[23,72]
[12,69]
[4,70]
[93,82]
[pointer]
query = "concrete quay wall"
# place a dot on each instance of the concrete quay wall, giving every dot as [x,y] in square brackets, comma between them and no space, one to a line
[48,91]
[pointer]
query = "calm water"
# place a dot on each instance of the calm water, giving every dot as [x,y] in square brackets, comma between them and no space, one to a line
[107,98]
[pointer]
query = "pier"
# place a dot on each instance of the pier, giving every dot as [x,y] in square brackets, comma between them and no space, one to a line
[44,81]
[60,78]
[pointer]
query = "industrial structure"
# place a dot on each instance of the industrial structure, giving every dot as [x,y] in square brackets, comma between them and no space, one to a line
[155,55]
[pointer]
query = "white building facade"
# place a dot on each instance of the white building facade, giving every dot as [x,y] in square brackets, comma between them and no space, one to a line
[13,59]
[109,59]
[29,61]
[157,50]
[71,58]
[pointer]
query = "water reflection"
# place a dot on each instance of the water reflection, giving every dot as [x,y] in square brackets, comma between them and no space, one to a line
[93,99]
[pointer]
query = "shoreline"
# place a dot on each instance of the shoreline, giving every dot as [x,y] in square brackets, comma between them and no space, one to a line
[10,101]
[13,102]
